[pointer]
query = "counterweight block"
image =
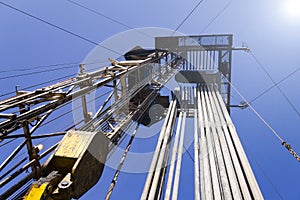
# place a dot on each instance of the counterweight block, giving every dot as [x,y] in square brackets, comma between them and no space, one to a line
[80,159]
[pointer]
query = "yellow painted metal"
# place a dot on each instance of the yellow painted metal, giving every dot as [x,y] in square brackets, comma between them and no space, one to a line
[73,145]
[82,156]
[36,192]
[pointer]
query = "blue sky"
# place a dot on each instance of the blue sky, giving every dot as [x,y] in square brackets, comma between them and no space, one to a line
[266,26]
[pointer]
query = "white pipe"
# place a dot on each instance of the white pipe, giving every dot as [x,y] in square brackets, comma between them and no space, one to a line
[241,154]
[173,159]
[212,150]
[196,153]
[161,157]
[179,158]
[206,188]
[155,156]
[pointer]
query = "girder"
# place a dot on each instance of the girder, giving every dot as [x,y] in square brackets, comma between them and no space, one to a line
[110,120]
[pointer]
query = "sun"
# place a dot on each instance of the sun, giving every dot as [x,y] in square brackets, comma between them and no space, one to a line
[291,9]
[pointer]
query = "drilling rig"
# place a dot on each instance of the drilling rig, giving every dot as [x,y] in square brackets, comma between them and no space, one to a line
[201,67]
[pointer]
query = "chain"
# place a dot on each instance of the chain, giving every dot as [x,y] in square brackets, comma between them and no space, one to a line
[289,148]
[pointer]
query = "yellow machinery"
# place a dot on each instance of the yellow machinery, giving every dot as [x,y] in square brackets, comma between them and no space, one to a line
[75,167]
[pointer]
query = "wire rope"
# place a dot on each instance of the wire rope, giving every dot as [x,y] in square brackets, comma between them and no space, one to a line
[218,14]
[186,18]
[60,28]
[273,81]
[283,142]
[277,83]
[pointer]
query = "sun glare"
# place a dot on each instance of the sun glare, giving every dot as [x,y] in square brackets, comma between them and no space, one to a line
[291,9]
